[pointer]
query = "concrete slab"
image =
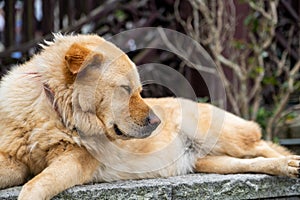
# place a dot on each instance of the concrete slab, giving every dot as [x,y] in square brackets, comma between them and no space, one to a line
[192,186]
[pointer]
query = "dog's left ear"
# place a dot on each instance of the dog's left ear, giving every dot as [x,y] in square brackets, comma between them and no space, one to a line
[75,57]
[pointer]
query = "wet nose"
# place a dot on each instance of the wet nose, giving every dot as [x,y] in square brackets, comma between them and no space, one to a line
[153,119]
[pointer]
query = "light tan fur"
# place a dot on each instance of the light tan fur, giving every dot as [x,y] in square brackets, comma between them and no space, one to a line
[73,114]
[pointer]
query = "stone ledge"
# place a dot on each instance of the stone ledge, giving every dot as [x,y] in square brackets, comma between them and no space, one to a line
[192,186]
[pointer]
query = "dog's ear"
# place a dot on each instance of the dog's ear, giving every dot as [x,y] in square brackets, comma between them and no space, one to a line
[75,57]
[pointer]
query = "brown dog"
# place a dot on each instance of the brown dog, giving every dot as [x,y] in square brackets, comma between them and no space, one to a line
[73,114]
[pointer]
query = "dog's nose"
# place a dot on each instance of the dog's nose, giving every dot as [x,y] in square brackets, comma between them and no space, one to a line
[152,119]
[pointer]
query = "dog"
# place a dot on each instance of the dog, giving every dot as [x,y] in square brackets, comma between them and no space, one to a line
[73,114]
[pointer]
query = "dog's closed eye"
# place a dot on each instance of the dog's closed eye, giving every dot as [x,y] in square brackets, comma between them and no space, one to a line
[127,88]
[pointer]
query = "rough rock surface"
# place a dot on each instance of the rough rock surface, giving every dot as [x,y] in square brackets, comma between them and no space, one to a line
[193,186]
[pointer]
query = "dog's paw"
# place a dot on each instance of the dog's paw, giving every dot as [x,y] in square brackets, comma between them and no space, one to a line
[293,166]
[31,191]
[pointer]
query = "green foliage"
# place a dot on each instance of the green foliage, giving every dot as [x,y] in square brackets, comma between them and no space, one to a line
[202,99]
[297,86]
[252,22]
[120,15]
[291,116]
[270,80]
[239,44]
[251,60]
[256,71]
[264,114]
[262,117]
[276,140]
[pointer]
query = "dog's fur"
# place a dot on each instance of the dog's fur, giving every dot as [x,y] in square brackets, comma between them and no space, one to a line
[73,114]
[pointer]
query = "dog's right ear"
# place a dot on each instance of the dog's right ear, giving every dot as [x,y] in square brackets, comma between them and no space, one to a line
[75,57]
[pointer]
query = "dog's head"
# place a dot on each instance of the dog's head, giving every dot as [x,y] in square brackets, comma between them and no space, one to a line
[106,92]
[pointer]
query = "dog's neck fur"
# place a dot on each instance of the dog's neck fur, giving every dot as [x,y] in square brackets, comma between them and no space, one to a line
[50,96]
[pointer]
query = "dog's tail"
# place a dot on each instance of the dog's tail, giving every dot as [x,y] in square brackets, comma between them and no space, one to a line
[280,149]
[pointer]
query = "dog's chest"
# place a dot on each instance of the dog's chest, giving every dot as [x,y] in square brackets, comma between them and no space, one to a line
[176,158]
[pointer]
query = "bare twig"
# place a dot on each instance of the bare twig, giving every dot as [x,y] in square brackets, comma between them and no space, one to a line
[249,64]
[282,103]
[183,54]
[259,8]
[231,65]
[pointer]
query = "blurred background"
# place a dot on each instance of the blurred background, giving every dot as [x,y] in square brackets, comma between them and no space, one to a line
[254,44]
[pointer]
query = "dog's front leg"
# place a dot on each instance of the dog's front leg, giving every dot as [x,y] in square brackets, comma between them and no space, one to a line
[283,166]
[73,167]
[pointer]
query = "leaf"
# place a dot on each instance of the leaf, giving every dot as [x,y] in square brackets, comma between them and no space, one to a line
[251,60]
[239,44]
[291,116]
[202,99]
[255,25]
[120,15]
[248,20]
[276,140]
[297,85]
[256,71]
[259,69]
[270,81]
[262,116]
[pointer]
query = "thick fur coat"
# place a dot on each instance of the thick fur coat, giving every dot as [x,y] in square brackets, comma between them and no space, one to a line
[73,114]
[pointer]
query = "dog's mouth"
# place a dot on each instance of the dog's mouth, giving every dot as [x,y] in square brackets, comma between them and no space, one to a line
[120,133]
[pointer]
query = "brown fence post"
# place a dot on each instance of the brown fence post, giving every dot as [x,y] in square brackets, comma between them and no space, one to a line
[48,16]
[9,30]
[28,21]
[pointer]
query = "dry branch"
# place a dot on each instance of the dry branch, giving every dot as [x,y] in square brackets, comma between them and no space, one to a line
[248,65]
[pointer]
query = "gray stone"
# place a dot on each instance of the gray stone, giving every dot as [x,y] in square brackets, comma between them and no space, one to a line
[192,186]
